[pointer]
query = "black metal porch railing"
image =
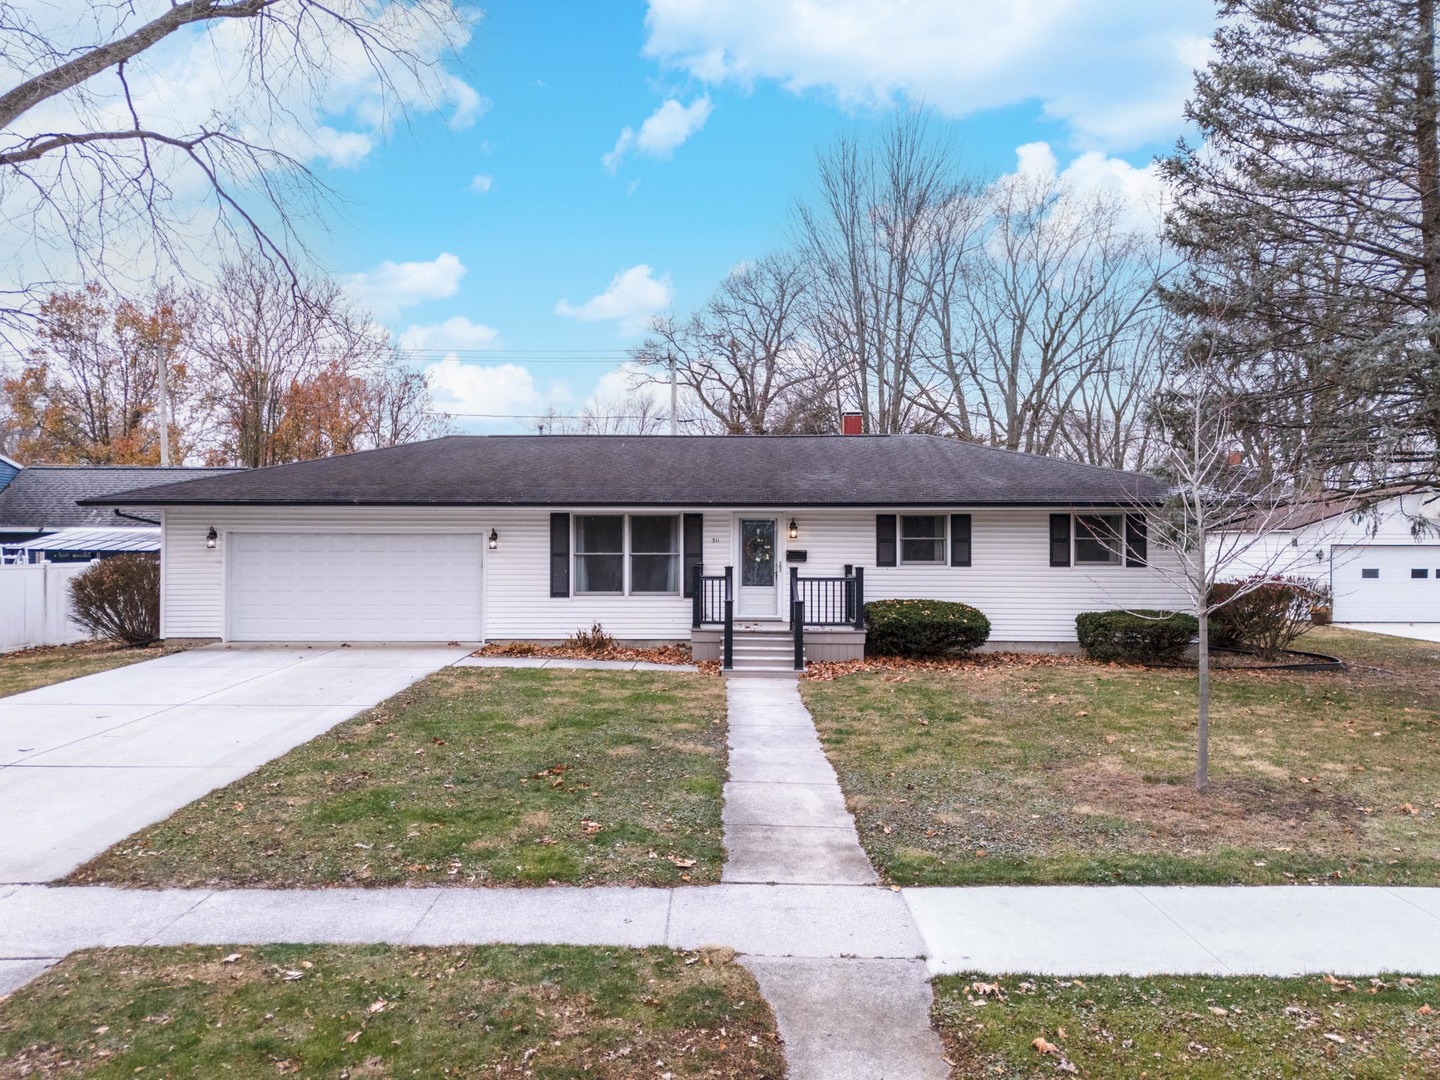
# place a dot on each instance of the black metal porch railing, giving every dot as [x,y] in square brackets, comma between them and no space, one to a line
[829,601]
[712,604]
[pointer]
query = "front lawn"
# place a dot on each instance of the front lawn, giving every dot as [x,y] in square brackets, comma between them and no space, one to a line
[31,669]
[1193,1027]
[386,1011]
[475,776]
[1063,770]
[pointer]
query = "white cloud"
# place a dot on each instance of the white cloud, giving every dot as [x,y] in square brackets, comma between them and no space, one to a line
[456,333]
[482,183]
[662,133]
[1117,72]
[1139,189]
[630,299]
[391,287]
[490,394]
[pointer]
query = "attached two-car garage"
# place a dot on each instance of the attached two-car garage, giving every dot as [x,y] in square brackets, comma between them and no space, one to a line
[1384,583]
[353,586]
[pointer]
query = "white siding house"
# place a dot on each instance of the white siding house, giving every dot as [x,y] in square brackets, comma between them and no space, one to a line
[531,538]
[1010,578]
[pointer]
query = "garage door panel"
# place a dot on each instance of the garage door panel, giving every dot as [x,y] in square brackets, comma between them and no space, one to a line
[1381,583]
[354,587]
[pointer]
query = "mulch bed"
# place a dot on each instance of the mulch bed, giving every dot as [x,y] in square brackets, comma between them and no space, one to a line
[1220,660]
[660,654]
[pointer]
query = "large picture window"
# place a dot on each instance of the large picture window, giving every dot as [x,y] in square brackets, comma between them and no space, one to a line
[922,538]
[1099,539]
[599,553]
[654,554]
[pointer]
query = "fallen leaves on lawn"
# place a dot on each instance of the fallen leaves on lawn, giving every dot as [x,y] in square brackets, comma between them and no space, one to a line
[662,654]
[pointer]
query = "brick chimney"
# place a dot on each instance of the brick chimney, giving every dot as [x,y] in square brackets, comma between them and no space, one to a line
[852,423]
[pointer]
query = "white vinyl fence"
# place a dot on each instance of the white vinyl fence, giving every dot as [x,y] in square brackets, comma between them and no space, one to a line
[35,605]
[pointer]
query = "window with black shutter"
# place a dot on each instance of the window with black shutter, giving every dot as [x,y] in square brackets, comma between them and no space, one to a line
[959,539]
[559,554]
[885,546]
[1137,540]
[1059,539]
[693,529]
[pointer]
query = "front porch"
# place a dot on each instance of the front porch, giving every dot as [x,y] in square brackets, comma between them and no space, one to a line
[826,623]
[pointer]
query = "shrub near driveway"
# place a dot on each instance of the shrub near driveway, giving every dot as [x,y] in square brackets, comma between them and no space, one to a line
[475,776]
[384,1011]
[1063,770]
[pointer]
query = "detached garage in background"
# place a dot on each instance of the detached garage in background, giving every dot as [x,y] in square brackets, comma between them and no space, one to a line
[1382,565]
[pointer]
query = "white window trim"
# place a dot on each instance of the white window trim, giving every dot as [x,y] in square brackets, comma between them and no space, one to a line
[626,553]
[944,538]
[1119,556]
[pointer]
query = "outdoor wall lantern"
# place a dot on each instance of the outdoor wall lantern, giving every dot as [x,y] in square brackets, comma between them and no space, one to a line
[211,537]
[494,540]
[794,530]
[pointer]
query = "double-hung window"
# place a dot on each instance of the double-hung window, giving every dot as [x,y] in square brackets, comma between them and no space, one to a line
[654,553]
[599,553]
[1099,539]
[922,538]
[605,544]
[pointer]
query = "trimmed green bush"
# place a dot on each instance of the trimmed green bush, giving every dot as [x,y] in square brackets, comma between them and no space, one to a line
[119,598]
[923,627]
[1136,637]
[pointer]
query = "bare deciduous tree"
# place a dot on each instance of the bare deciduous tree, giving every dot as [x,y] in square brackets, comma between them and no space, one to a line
[291,372]
[1046,323]
[872,240]
[105,155]
[744,358]
[1213,490]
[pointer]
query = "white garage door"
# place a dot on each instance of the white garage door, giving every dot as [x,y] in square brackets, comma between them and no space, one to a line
[1379,583]
[353,586]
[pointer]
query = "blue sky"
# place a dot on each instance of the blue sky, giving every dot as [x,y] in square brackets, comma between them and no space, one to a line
[746,92]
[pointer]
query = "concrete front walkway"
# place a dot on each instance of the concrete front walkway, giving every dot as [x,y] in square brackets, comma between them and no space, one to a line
[85,763]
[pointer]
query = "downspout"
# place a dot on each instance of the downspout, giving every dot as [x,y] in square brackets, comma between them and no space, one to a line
[136,517]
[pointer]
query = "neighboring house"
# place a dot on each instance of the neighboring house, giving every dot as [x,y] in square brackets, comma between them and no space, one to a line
[1382,562]
[9,469]
[530,538]
[40,500]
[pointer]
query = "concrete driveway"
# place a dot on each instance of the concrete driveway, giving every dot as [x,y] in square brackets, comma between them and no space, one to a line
[1418,631]
[85,763]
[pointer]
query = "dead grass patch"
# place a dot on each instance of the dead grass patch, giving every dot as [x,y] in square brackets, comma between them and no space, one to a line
[1066,771]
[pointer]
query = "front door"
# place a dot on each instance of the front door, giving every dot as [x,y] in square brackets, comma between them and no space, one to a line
[758,595]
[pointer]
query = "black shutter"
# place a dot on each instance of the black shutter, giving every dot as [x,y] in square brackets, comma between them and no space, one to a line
[1059,539]
[690,546]
[559,554]
[959,539]
[1137,540]
[885,525]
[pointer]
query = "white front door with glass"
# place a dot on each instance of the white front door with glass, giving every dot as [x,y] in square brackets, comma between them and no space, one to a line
[757,594]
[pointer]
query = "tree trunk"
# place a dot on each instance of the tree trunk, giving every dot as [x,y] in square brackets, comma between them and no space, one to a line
[1428,160]
[1202,749]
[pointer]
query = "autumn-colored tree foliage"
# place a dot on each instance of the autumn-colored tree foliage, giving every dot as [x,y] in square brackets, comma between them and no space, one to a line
[261,370]
[87,391]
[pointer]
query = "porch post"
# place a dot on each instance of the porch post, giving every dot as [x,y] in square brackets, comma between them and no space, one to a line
[797,621]
[859,598]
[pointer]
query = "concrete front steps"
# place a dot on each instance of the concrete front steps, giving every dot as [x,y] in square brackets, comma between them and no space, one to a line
[763,654]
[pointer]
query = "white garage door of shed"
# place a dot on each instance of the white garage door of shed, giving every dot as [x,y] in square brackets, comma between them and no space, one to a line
[353,586]
[1379,583]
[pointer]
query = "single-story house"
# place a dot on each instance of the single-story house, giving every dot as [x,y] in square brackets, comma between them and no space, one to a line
[39,500]
[1379,557]
[530,538]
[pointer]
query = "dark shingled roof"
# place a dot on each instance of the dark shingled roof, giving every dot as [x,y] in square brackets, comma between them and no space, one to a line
[44,497]
[686,470]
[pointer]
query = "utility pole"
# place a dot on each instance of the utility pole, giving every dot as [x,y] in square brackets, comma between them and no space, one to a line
[164,409]
[674,420]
